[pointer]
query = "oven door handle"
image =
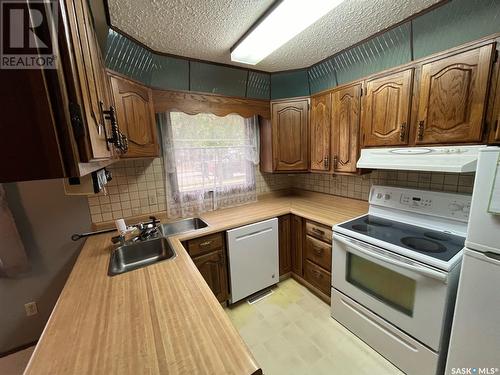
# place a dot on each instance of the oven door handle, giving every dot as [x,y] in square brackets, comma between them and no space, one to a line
[388,259]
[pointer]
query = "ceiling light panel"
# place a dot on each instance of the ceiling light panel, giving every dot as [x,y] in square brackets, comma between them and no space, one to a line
[285,21]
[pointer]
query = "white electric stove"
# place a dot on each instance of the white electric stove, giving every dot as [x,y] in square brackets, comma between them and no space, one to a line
[395,274]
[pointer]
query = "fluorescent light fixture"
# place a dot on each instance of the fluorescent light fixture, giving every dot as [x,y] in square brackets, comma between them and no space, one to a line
[284,20]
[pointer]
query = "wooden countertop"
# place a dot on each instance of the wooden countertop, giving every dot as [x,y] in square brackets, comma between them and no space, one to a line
[162,318]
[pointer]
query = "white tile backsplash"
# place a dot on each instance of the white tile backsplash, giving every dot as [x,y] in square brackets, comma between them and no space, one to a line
[138,186]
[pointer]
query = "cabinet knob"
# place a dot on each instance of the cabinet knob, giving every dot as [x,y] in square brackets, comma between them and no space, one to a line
[421,126]
[205,244]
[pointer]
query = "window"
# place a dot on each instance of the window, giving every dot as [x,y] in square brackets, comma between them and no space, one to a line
[211,151]
[209,160]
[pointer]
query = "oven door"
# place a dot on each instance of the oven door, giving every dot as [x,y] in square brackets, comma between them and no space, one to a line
[408,294]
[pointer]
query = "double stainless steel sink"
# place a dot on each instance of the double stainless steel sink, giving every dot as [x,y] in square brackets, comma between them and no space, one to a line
[134,255]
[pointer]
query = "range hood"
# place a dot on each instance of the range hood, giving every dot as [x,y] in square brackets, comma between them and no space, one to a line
[455,159]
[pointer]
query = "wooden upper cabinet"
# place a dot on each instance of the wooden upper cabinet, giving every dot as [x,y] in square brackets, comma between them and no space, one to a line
[386,110]
[89,78]
[453,97]
[494,135]
[290,135]
[320,138]
[135,116]
[345,128]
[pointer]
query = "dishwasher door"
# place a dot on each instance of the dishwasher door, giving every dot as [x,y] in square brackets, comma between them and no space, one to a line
[253,258]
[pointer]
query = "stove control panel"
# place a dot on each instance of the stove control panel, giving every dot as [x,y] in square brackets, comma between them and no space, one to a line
[447,205]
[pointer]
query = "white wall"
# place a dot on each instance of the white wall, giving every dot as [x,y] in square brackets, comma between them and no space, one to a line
[45,218]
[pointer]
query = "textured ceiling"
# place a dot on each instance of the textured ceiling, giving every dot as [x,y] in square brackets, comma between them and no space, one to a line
[206,29]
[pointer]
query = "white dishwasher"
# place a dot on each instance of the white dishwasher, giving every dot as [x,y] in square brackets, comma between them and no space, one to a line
[253,258]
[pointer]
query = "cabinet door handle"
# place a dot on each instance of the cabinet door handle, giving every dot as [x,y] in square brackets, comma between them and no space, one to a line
[318,231]
[117,138]
[318,250]
[402,132]
[421,125]
[317,274]
[335,162]
[326,162]
[205,243]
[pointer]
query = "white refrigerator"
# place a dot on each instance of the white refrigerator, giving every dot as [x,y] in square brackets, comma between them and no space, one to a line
[475,335]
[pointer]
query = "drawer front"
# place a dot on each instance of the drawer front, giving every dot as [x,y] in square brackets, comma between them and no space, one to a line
[319,252]
[319,231]
[205,244]
[318,277]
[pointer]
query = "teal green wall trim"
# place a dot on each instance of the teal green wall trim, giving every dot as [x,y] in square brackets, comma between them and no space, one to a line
[218,79]
[125,56]
[289,84]
[450,25]
[454,23]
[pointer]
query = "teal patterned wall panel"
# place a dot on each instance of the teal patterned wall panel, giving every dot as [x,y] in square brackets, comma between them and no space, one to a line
[170,73]
[384,51]
[454,23]
[218,79]
[129,58]
[258,85]
[289,84]
[322,76]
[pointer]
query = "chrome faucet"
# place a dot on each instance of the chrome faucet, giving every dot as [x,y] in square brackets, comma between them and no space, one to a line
[146,230]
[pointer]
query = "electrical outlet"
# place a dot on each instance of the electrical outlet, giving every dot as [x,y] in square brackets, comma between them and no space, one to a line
[31,308]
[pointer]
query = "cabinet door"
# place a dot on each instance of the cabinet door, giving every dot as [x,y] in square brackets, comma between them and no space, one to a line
[89,78]
[494,136]
[289,135]
[320,132]
[285,260]
[297,240]
[212,267]
[386,110]
[136,117]
[453,97]
[345,126]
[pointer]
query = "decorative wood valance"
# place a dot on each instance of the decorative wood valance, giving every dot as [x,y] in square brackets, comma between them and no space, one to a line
[195,102]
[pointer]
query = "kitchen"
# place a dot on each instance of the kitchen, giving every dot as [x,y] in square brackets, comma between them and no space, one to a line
[250,187]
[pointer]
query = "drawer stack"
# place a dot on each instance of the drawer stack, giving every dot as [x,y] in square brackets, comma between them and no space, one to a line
[318,256]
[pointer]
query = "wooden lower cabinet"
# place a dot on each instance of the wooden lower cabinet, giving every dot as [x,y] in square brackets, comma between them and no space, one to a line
[317,258]
[285,258]
[318,252]
[212,267]
[209,256]
[317,277]
[319,231]
[297,241]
